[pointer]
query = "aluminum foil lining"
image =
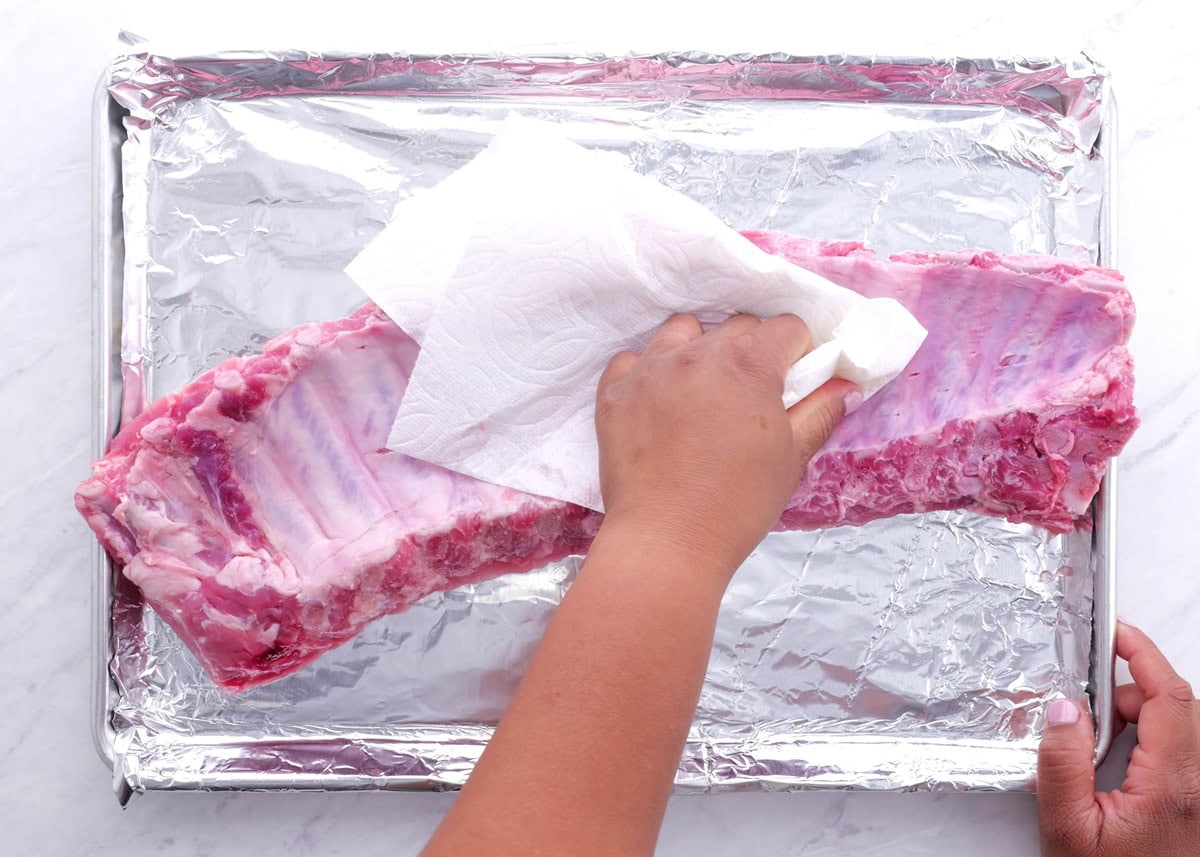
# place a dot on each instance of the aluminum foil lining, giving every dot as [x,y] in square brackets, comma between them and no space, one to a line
[916,652]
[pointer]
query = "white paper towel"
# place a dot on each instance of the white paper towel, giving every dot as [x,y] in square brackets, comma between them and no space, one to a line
[523,273]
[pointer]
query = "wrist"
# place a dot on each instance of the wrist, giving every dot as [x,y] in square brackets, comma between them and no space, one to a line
[668,548]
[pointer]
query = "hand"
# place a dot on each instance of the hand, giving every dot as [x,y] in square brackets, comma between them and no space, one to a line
[1157,810]
[695,444]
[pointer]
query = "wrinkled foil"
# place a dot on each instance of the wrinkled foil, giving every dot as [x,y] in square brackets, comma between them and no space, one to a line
[915,652]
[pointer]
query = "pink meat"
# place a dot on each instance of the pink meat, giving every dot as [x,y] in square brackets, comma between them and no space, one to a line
[1018,398]
[261,516]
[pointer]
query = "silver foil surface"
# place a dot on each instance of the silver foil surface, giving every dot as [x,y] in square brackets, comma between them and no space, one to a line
[916,652]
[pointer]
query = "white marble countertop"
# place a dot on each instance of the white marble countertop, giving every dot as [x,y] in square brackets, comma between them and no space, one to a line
[55,794]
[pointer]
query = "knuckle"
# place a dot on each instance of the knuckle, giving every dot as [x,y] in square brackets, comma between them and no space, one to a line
[819,426]
[810,443]
[827,421]
[1179,690]
[799,328]
[617,366]
[689,359]
[608,401]
[1073,776]
[1064,757]
[1055,754]
[746,355]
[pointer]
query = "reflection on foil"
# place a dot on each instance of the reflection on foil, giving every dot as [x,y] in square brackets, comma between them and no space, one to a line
[913,652]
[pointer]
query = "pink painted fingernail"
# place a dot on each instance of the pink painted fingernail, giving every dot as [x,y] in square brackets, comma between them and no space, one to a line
[1062,712]
[853,401]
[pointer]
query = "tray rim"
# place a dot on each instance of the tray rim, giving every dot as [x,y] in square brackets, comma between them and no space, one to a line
[1102,684]
[105,187]
[107,279]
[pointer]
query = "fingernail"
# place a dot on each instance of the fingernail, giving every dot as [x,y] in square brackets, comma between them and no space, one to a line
[853,401]
[1062,712]
[1125,621]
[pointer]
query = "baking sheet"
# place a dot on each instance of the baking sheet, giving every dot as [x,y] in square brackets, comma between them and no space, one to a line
[916,652]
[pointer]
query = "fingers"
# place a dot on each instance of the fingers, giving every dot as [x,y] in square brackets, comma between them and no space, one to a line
[815,417]
[735,326]
[785,339]
[1066,780]
[779,341]
[1161,702]
[1130,700]
[782,340]
[765,350]
[676,331]
[617,368]
[1150,668]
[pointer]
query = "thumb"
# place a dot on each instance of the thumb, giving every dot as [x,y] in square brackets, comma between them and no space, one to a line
[815,417]
[1066,781]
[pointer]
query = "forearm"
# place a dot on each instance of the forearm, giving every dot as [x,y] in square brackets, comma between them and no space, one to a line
[583,761]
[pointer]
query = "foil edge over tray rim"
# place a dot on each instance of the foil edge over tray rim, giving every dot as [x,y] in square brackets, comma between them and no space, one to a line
[148,84]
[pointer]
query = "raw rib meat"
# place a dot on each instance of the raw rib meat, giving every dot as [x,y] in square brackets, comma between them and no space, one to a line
[259,514]
[1021,393]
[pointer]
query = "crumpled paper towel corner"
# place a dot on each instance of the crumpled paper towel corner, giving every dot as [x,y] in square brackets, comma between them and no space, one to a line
[524,272]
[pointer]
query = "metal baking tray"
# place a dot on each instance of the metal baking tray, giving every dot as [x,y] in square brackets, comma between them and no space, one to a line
[768,141]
